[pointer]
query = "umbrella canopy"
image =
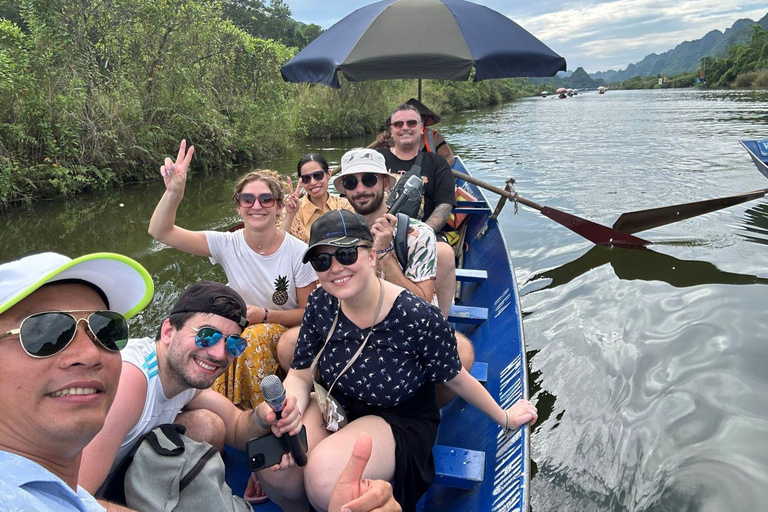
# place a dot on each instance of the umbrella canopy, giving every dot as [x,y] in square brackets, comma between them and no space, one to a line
[442,39]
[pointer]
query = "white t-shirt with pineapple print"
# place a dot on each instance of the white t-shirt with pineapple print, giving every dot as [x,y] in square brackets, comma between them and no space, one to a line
[265,281]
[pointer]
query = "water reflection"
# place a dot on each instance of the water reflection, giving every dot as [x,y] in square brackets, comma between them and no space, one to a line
[643,264]
[756,224]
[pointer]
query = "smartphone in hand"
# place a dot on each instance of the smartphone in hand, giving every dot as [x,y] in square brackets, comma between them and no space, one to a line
[268,450]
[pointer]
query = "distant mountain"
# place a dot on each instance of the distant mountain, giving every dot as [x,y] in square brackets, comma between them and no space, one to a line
[578,79]
[686,56]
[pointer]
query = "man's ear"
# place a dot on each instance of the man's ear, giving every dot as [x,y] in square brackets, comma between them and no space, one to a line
[166,332]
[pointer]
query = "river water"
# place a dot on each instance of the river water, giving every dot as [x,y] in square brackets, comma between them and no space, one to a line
[649,368]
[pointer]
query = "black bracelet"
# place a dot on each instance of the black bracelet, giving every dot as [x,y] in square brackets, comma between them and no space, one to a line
[385,251]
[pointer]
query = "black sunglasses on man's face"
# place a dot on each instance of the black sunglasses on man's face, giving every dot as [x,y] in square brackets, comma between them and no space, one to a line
[368,179]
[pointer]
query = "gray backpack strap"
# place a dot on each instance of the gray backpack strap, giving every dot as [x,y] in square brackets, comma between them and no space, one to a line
[401,240]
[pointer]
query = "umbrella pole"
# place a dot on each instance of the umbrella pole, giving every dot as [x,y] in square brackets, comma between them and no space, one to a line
[419,98]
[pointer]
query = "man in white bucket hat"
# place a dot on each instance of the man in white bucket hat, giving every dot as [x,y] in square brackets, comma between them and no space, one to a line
[62,324]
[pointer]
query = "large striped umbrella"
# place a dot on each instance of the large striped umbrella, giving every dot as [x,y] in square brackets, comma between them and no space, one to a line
[442,39]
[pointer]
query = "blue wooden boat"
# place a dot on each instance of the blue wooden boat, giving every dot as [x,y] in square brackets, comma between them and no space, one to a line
[758,151]
[478,468]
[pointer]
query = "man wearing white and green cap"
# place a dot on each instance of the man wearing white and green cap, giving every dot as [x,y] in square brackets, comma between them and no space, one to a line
[62,324]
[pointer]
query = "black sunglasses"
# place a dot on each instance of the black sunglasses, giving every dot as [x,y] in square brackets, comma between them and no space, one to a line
[412,123]
[208,336]
[48,333]
[317,175]
[248,200]
[321,261]
[350,182]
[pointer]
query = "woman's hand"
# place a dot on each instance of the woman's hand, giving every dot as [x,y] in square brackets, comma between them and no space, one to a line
[289,423]
[290,419]
[175,173]
[254,314]
[292,199]
[521,413]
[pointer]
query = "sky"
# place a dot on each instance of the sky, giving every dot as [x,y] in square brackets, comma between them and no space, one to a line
[597,36]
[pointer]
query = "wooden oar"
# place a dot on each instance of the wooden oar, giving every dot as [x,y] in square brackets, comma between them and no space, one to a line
[595,233]
[641,220]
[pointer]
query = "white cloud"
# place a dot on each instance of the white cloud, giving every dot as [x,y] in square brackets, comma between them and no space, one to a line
[597,35]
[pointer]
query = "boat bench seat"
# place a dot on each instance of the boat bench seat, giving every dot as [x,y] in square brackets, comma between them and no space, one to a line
[470,210]
[479,371]
[471,207]
[458,467]
[469,204]
[471,275]
[467,315]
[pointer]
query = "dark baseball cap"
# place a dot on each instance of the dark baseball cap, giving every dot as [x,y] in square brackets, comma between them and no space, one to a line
[201,297]
[339,228]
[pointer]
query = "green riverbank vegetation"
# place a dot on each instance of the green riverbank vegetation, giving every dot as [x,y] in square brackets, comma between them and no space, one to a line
[94,94]
[743,67]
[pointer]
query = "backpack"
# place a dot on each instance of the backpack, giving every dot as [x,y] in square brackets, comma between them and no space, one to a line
[171,472]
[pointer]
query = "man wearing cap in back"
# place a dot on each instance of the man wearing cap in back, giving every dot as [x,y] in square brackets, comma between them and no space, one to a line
[62,324]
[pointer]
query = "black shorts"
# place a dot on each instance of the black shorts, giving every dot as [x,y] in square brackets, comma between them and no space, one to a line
[414,427]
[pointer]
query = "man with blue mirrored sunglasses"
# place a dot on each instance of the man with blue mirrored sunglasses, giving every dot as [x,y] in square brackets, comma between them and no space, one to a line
[195,344]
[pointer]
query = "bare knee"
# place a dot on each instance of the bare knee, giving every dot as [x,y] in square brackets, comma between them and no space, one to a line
[204,426]
[467,357]
[319,482]
[466,351]
[286,345]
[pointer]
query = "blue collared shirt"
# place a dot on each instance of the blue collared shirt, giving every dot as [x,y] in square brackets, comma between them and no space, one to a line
[26,485]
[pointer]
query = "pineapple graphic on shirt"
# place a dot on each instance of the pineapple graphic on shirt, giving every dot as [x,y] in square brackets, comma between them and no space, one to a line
[280,296]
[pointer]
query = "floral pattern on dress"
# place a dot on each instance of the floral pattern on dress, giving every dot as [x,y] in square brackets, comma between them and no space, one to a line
[241,383]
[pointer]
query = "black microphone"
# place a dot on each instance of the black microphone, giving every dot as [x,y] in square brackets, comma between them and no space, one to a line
[412,189]
[274,394]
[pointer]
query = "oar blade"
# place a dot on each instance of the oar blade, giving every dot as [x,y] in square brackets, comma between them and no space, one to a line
[634,222]
[595,233]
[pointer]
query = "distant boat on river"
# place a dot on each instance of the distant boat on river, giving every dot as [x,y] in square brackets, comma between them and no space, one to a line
[601,90]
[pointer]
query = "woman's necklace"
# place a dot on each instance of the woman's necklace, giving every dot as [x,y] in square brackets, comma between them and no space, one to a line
[263,249]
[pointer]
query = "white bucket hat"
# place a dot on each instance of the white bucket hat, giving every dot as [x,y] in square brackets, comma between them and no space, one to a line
[126,285]
[362,161]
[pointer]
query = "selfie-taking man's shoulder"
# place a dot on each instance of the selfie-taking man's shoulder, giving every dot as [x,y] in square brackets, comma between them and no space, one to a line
[26,485]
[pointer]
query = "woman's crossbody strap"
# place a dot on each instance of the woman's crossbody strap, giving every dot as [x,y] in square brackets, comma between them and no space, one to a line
[362,345]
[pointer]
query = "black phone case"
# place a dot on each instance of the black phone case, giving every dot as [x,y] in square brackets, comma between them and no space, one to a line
[268,450]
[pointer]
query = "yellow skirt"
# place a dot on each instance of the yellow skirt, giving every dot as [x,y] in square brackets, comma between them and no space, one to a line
[241,383]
